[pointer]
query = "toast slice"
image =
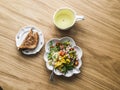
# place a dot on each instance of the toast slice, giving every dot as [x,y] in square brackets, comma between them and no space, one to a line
[30,41]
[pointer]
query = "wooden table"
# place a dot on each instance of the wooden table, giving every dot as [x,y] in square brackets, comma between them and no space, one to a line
[98,36]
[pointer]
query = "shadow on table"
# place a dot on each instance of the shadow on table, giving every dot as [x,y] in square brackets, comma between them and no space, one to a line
[1,88]
[73,31]
[65,79]
[32,55]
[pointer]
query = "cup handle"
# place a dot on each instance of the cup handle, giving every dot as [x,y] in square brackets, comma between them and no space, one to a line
[78,18]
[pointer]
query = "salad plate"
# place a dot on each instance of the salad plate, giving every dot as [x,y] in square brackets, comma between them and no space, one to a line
[63,56]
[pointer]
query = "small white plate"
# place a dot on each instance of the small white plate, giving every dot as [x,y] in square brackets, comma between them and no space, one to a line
[23,33]
[79,53]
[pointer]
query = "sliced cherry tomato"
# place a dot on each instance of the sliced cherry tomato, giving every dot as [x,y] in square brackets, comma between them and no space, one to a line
[62,53]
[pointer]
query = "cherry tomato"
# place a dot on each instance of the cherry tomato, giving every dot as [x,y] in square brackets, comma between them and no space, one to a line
[71,49]
[57,44]
[76,63]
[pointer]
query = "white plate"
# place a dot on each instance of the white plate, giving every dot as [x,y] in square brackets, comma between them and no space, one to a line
[78,52]
[23,33]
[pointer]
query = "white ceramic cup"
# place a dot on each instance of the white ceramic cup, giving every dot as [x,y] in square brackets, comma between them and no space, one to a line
[65,18]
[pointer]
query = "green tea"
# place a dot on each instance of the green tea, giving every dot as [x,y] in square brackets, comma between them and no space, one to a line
[64,18]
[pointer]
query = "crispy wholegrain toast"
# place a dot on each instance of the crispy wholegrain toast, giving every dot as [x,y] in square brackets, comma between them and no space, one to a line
[30,41]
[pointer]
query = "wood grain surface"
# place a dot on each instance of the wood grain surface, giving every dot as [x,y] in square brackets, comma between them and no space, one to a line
[98,36]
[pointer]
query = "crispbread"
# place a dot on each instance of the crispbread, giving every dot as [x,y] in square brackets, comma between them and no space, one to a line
[30,41]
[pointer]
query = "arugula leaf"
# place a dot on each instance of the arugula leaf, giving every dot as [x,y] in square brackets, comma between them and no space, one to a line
[54,49]
[51,43]
[64,69]
[69,67]
[49,56]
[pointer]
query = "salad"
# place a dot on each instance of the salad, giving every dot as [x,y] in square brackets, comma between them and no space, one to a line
[62,56]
